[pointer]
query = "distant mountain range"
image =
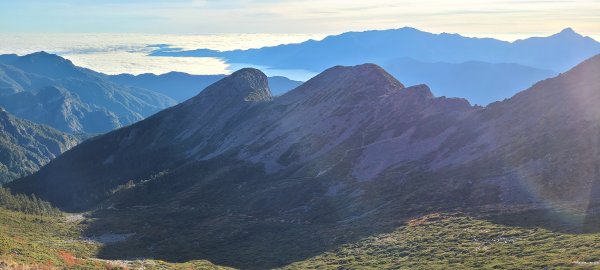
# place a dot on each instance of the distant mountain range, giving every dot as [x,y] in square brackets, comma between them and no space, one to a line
[25,146]
[48,89]
[182,86]
[236,171]
[558,52]
[440,56]
[479,82]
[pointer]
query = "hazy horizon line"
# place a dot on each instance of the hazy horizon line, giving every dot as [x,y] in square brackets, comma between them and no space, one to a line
[506,36]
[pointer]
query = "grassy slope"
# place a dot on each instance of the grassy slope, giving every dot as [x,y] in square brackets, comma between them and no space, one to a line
[456,240]
[35,242]
[459,241]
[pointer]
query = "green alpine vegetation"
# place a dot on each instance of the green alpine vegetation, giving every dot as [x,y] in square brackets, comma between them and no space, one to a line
[26,146]
[456,239]
[36,242]
[26,204]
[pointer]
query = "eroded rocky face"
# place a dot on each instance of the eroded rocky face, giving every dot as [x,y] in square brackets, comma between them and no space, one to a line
[356,130]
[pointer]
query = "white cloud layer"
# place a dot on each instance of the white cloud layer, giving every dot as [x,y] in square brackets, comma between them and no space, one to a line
[127,53]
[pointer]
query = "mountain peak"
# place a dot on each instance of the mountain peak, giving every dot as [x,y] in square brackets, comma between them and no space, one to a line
[345,84]
[568,32]
[44,56]
[248,75]
[371,74]
[247,84]
[46,64]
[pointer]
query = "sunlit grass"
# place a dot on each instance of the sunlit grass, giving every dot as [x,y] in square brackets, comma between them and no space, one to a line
[42,242]
[441,240]
[458,241]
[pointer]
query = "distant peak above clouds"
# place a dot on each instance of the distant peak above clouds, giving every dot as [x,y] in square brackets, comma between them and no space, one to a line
[569,31]
[46,64]
[43,57]
[482,70]
[379,46]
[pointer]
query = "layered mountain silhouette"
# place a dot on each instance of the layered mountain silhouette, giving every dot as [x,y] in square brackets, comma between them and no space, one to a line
[25,146]
[479,82]
[518,64]
[236,171]
[49,89]
[182,86]
[558,52]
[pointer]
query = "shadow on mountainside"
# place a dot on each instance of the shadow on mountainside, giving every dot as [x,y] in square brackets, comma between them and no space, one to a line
[243,218]
[247,243]
[237,217]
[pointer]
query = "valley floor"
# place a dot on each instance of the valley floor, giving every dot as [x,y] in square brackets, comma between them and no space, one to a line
[439,240]
[47,242]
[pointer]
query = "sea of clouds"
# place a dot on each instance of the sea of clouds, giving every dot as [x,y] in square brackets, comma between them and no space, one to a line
[128,53]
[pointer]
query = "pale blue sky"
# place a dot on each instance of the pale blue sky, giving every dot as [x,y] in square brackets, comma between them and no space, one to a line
[507,19]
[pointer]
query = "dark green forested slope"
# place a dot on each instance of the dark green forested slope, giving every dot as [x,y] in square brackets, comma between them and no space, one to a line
[25,146]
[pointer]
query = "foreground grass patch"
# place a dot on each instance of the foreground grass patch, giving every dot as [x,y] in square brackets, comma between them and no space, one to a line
[459,241]
[40,240]
[445,240]
[44,242]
